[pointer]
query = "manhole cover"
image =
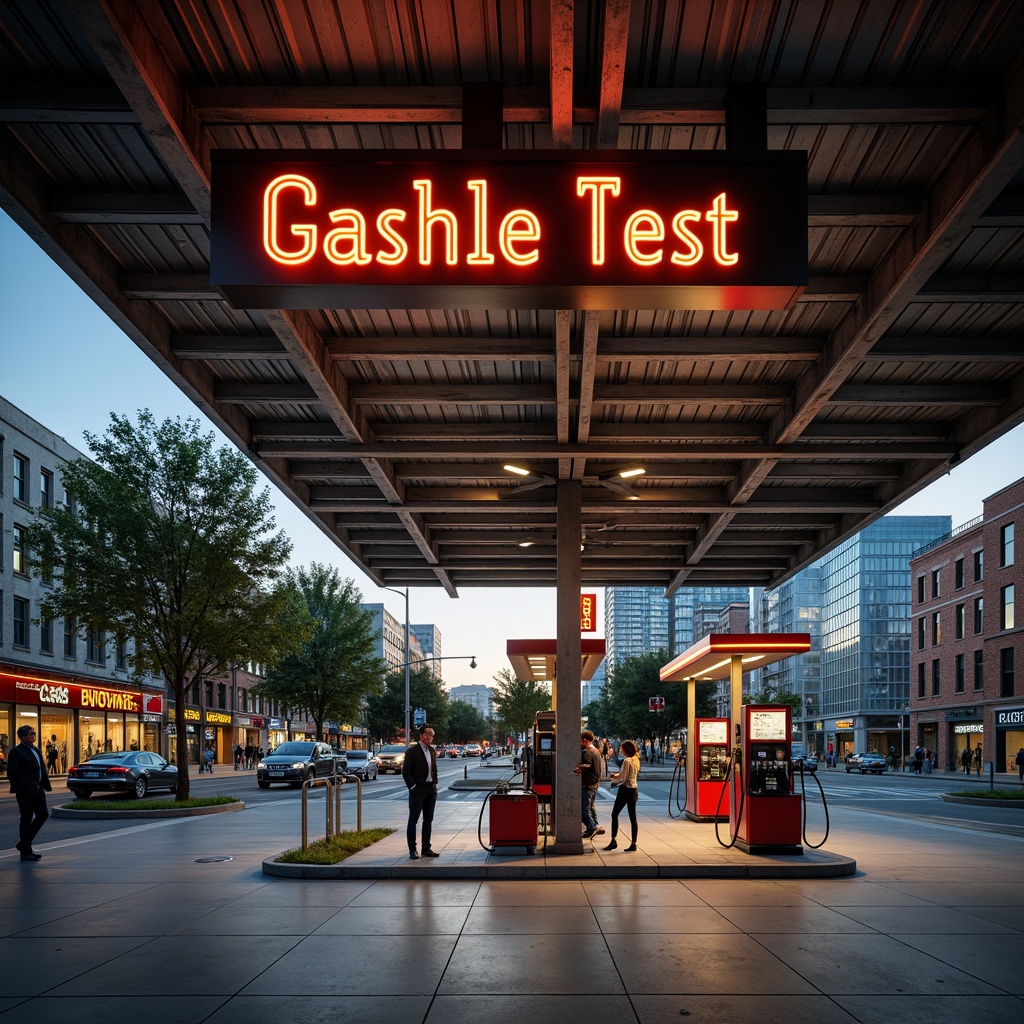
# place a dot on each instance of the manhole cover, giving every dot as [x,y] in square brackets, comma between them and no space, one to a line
[211,860]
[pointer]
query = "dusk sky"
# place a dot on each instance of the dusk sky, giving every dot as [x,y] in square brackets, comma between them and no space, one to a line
[67,366]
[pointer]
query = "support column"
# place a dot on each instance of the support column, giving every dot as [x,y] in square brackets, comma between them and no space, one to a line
[569,655]
[691,737]
[736,696]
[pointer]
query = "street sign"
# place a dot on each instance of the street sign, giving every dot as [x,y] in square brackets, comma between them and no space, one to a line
[656,704]
[419,716]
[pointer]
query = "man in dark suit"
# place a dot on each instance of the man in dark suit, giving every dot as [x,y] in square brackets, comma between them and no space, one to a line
[29,783]
[419,771]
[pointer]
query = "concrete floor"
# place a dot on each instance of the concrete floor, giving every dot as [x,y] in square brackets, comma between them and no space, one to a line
[130,925]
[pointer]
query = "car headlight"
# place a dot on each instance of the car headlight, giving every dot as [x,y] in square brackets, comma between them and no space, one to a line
[298,764]
[262,764]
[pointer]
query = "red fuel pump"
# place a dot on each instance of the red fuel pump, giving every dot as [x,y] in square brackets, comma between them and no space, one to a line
[711,766]
[764,811]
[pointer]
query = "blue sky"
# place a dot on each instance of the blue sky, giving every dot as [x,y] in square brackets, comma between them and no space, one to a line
[66,365]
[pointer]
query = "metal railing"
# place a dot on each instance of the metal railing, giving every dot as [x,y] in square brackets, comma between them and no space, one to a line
[332,819]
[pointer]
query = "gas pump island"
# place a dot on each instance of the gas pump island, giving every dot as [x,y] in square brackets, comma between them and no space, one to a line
[755,760]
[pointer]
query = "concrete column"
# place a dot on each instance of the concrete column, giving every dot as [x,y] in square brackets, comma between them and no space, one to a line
[569,654]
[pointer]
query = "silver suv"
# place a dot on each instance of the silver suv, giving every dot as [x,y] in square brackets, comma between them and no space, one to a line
[391,758]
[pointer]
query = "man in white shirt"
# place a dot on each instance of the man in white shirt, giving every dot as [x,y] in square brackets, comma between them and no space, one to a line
[419,771]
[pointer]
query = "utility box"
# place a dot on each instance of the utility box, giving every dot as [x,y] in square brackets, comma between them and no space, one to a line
[513,820]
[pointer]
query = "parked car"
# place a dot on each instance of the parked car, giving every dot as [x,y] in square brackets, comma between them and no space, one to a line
[298,760]
[473,750]
[809,762]
[391,758]
[451,750]
[867,762]
[363,764]
[126,771]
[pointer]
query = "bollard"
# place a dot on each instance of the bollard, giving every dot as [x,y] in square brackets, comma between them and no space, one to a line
[329,822]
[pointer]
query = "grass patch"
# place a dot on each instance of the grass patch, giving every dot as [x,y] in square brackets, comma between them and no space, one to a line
[335,849]
[150,805]
[991,794]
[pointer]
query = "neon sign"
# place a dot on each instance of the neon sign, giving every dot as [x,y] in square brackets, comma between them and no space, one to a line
[708,230]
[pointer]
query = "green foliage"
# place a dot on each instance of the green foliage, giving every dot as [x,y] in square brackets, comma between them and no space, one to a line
[335,669]
[775,695]
[166,544]
[1013,795]
[517,701]
[465,724]
[129,803]
[625,701]
[335,849]
[385,710]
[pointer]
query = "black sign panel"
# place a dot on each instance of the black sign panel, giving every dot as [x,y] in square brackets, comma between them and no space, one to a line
[512,230]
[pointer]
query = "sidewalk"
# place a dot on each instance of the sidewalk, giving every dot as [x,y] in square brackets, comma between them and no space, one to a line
[175,921]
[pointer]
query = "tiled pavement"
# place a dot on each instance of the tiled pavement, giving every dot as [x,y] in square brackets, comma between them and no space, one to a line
[137,924]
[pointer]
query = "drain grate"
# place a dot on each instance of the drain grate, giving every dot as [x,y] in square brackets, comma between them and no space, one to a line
[212,860]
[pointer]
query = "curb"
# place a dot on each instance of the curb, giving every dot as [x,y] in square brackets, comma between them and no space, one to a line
[185,812]
[982,801]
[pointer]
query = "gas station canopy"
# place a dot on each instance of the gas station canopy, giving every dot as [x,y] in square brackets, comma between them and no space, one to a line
[710,658]
[536,659]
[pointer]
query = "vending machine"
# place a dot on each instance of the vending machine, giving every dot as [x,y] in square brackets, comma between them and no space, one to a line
[764,811]
[542,766]
[705,779]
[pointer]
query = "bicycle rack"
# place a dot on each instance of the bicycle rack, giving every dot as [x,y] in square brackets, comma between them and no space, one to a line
[332,824]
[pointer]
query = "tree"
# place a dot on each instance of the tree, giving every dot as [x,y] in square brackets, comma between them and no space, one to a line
[385,710]
[630,688]
[774,694]
[336,667]
[465,723]
[517,701]
[165,543]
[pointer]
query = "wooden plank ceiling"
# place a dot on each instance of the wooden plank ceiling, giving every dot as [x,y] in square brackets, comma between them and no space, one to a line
[765,437]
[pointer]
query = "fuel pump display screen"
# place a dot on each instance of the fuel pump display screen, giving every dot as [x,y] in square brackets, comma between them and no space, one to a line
[714,732]
[767,725]
[546,743]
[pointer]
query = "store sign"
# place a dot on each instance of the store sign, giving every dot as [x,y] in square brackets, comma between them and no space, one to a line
[192,715]
[218,718]
[969,727]
[710,230]
[57,693]
[588,607]
[153,703]
[1010,718]
[844,725]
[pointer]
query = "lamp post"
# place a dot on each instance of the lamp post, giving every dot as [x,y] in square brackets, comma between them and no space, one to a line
[471,658]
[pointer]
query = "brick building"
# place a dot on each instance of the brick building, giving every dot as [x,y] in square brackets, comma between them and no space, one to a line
[967,640]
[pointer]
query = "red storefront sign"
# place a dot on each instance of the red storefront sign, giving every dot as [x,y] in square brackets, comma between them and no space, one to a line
[302,229]
[588,608]
[58,693]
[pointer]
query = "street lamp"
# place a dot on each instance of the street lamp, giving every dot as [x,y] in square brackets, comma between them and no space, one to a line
[471,658]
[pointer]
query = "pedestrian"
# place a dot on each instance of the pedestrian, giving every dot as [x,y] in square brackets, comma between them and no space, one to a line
[208,757]
[30,784]
[918,758]
[1020,764]
[965,760]
[626,793]
[52,753]
[589,771]
[977,758]
[606,755]
[239,754]
[419,772]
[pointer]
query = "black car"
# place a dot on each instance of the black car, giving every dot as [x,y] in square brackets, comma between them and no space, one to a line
[126,771]
[808,762]
[298,760]
[867,762]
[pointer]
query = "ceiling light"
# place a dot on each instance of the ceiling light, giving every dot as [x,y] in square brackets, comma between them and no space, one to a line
[635,471]
[518,470]
[527,543]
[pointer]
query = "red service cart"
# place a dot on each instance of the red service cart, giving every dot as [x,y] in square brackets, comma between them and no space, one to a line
[513,820]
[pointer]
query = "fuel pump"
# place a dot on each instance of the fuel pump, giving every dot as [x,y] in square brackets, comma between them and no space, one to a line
[542,781]
[765,813]
[711,765]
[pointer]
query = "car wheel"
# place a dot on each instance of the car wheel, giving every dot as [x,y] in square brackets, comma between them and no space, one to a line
[82,794]
[141,785]
[262,784]
[848,769]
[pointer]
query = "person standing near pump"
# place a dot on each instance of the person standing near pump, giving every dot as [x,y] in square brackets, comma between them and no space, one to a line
[419,772]
[589,771]
[626,794]
[30,783]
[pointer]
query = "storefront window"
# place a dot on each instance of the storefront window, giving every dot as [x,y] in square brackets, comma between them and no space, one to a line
[55,732]
[91,735]
[115,732]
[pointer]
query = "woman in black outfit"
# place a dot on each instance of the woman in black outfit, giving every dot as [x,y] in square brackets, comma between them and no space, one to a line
[627,793]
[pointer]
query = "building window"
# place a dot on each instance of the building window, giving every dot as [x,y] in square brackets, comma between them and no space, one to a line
[920,589]
[935,583]
[935,678]
[70,638]
[94,647]
[46,636]
[959,574]
[979,566]
[1006,544]
[979,670]
[959,673]
[1006,672]
[20,478]
[959,622]
[979,615]
[936,630]
[19,636]
[209,694]
[920,679]
[121,655]
[1006,607]
[920,633]
[222,696]
[20,554]
[45,489]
